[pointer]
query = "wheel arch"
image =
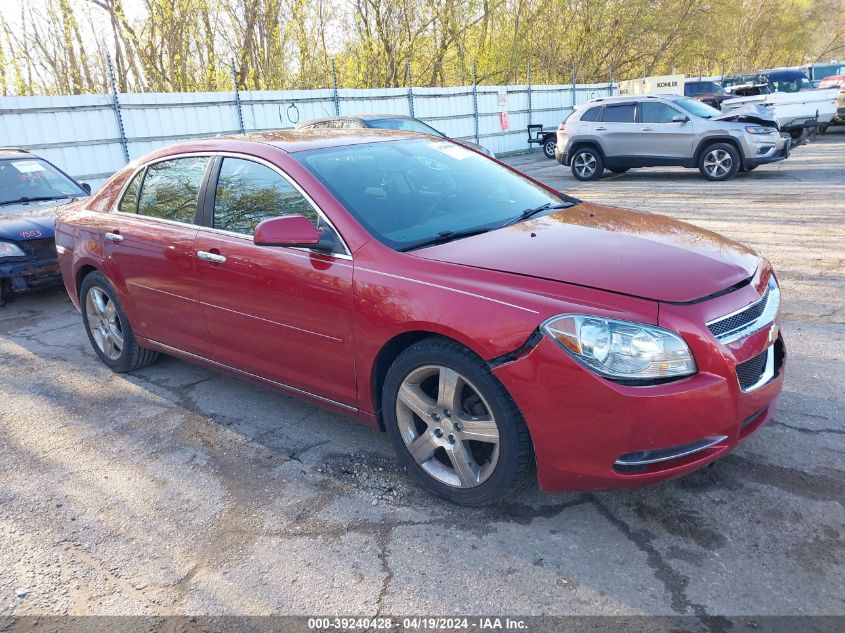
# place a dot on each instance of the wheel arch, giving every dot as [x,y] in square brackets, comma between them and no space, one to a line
[730,140]
[588,143]
[83,271]
[391,350]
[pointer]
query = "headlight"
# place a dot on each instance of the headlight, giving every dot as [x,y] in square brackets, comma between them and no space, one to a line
[621,350]
[756,129]
[7,249]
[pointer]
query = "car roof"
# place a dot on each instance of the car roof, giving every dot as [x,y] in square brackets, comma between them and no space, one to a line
[290,140]
[370,116]
[626,98]
[14,152]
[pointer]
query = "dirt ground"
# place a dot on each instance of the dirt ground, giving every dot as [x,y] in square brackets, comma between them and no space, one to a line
[177,490]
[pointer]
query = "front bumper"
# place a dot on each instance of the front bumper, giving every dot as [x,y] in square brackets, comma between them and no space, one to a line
[29,275]
[764,153]
[592,434]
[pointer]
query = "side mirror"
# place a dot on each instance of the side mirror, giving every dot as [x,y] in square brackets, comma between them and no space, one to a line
[85,187]
[680,118]
[288,230]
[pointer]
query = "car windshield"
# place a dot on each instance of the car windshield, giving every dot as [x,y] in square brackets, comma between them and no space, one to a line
[703,87]
[697,108]
[413,192]
[28,179]
[410,125]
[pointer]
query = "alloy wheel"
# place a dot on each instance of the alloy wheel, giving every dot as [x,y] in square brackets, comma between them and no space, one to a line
[549,148]
[585,164]
[447,426]
[717,163]
[104,323]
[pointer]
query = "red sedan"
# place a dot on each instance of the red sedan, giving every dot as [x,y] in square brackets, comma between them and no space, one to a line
[494,327]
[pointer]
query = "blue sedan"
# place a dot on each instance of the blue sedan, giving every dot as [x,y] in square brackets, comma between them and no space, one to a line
[30,191]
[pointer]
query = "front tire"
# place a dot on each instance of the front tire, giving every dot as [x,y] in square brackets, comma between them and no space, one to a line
[549,146]
[587,164]
[454,426]
[719,161]
[108,326]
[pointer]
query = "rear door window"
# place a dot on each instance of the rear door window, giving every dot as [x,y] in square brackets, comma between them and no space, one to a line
[171,189]
[622,113]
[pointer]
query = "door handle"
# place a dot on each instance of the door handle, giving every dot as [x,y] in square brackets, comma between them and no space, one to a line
[214,258]
[114,237]
[646,129]
[600,129]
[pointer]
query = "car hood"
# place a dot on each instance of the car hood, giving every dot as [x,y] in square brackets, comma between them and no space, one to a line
[627,252]
[29,225]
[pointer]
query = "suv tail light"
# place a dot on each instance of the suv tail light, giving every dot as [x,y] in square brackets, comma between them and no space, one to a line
[562,126]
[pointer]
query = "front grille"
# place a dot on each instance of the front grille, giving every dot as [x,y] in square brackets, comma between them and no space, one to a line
[39,249]
[749,319]
[750,371]
[741,319]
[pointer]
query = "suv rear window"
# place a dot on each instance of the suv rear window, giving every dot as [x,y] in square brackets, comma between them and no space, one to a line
[623,113]
[592,114]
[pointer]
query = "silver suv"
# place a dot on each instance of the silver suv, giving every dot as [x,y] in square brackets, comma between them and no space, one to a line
[618,133]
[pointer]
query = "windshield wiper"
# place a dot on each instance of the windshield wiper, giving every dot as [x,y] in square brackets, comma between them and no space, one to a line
[443,237]
[24,199]
[527,213]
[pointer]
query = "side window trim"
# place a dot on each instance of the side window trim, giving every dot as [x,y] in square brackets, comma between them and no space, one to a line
[208,207]
[205,216]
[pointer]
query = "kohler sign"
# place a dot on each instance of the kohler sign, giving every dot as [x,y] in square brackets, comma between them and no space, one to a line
[650,85]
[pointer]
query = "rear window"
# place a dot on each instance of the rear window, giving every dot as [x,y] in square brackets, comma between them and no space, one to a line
[623,113]
[129,202]
[592,114]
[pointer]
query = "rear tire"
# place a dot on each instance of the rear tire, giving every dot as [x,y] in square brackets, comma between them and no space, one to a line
[549,146]
[454,426]
[108,326]
[719,161]
[587,164]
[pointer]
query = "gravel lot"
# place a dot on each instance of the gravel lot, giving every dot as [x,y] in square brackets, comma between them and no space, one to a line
[176,490]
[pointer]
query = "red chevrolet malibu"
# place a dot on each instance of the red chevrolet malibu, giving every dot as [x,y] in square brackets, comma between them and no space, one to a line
[494,327]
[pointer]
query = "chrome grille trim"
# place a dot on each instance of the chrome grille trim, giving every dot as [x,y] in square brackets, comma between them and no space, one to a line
[750,319]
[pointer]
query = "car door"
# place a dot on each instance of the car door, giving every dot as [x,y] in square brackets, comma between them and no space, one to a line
[662,137]
[149,246]
[618,130]
[276,312]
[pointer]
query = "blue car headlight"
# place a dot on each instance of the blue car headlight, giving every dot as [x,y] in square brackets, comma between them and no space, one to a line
[8,249]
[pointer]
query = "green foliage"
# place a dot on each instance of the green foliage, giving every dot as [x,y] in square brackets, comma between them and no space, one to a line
[60,46]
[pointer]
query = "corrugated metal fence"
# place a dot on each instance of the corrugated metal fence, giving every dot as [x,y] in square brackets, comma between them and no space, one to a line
[90,136]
